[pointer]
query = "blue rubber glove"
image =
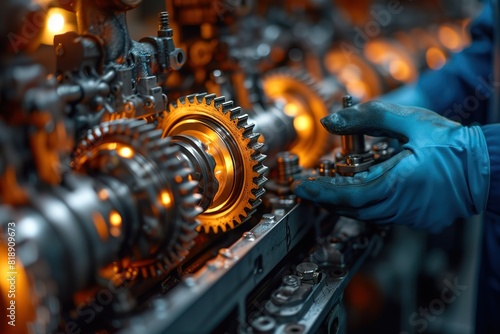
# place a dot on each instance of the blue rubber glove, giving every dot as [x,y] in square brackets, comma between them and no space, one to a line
[442,173]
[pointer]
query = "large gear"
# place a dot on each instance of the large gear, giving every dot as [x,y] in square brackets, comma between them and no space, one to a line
[229,140]
[137,154]
[304,100]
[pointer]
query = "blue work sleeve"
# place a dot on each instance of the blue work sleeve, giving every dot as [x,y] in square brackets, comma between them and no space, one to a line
[488,302]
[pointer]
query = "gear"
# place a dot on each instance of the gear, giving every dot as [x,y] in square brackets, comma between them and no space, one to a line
[228,140]
[134,153]
[303,100]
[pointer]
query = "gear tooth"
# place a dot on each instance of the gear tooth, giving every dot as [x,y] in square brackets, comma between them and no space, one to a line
[230,224]
[152,134]
[253,137]
[260,169]
[234,112]
[260,181]
[259,157]
[191,98]
[242,121]
[209,98]
[188,187]
[218,101]
[200,97]
[227,106]
[258,192]
[255,203]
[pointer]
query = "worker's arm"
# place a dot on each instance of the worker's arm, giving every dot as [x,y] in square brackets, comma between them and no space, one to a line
[442,173]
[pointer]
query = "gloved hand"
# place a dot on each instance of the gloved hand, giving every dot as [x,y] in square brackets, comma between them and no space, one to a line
[442,173]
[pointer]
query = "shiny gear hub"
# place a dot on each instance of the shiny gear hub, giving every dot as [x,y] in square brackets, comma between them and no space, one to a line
[226,158]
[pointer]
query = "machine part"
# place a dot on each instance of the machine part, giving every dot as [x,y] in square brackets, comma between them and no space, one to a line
[354,157]
[288,167]
[137,155]
[103,77]
[304,102]
[229,141]
[326,168]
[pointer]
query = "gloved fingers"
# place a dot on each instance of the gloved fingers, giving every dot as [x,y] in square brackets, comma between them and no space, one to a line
[358,191]
[377,119]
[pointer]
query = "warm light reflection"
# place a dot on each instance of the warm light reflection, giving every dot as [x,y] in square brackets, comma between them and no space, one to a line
[59,21]
[303,123]
[435,58]
[126,152]
[359,78]
[55,23]
[292,109]
[400,70]
[392,59]
[450,38]
[115,219]
[100,225]
[166,199]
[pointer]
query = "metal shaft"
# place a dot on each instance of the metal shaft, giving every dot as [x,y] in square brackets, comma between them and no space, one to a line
[352,144]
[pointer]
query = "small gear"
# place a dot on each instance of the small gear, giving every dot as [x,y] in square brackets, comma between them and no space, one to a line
[305,101]
[229,140]
[136,154]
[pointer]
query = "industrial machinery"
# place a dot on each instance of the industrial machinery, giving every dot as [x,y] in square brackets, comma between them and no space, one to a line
[135,195]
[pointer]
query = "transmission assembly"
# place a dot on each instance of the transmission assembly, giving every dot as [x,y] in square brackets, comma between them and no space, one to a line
[135,192]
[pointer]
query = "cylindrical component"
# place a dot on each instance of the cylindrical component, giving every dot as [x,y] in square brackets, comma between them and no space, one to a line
[352,144]
[276,129]
[306,270]
[326,168]
[288,166]
[353,160]
[164,29]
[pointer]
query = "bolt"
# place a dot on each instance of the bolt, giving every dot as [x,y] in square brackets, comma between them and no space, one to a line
[291,280]
[226,252]
[268,218]
[249,236]
[164,25]
[306,270]
[263,324]
[190,281]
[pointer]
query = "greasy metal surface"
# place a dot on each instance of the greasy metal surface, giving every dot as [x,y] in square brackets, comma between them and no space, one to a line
[204,299]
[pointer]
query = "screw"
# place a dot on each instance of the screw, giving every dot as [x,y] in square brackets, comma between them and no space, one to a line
[164,29]
[291,280]
[306,270]
[249,236]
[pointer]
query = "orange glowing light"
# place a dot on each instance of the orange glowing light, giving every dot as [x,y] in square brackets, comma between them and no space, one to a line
[435,57]
[103,194]
[126,152]
[450,38]
[292,109]
[165,198]
[303,123]
[116,223]
[100,225]
[400,70]
[358,89]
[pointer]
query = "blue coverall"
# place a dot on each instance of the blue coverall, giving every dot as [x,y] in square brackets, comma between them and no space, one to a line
[462,91]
